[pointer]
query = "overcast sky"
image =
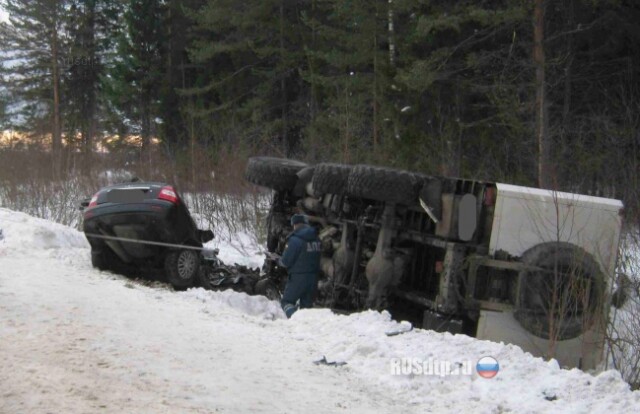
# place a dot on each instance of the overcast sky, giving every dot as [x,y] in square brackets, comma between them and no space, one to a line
[3,15]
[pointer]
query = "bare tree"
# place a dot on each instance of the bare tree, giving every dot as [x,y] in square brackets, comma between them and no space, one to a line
[541,119]
[623,331]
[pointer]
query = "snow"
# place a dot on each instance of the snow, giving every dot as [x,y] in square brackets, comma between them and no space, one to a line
[75,340]
[242,250]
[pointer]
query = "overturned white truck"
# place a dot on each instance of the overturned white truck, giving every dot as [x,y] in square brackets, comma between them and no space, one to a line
[500,262]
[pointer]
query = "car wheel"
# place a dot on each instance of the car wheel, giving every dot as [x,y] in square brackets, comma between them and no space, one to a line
[102,259]
[181,268]
[265,287]
[279,174]
[383,184]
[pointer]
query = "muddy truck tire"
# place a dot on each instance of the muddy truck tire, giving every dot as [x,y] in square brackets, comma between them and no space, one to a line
[279,174]
[383,184]
[330,178]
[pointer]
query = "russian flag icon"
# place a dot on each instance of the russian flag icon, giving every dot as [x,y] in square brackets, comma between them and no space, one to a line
[487,367]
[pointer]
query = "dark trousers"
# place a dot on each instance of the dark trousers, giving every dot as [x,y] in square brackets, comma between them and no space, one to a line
[300,287]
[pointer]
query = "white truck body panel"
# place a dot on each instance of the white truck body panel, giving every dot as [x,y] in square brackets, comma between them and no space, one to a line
[584,351]
[525,217]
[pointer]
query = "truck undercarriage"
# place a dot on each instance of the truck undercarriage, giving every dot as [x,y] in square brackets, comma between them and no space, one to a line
[427,249]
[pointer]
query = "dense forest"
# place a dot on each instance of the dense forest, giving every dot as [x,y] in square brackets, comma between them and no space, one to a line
[541,93]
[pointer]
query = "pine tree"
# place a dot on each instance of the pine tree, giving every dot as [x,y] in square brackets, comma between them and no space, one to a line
[4,118]
[350,71]
[250,57]
[175,62]
[459,75]
[91,32]
[135,79]
[33,45]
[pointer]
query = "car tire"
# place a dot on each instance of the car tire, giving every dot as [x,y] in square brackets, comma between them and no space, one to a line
[181,268]
[103,259]
[383,184]
[279,174]
[536,287]
[330,178]
[266,287]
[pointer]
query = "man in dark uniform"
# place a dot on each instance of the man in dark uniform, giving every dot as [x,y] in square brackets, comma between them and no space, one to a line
[301,257]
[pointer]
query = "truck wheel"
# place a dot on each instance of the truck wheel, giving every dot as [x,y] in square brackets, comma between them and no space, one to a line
[277,224]
[266,287]
[181,268]
[565,290]
[383,184]
[279,174]
[331,178]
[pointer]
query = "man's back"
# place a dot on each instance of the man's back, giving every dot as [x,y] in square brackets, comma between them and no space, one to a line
[302,253]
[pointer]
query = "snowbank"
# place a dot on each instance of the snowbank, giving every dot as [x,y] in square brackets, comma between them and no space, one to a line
[216,302]
[30,235]
[523,384]
[79,340]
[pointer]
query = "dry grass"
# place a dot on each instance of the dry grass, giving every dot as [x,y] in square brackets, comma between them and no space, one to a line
[217,194]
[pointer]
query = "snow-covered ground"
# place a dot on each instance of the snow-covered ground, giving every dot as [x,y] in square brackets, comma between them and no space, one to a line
[76,340]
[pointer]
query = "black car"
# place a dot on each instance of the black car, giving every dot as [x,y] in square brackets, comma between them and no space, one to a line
[144,225]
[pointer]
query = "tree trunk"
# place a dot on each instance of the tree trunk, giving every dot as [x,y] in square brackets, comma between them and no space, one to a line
[283,86]
[56,135]
[375,94]
[145,127]
[392,44]
[92,85]
[541,121]
[345,153]
[313,104]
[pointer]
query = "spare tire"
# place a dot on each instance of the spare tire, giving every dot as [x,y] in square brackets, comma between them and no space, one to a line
[279,174]
[330,178]
[383,184]
[560,296]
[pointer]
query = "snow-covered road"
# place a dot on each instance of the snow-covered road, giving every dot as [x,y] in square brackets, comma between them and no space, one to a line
[75,340]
